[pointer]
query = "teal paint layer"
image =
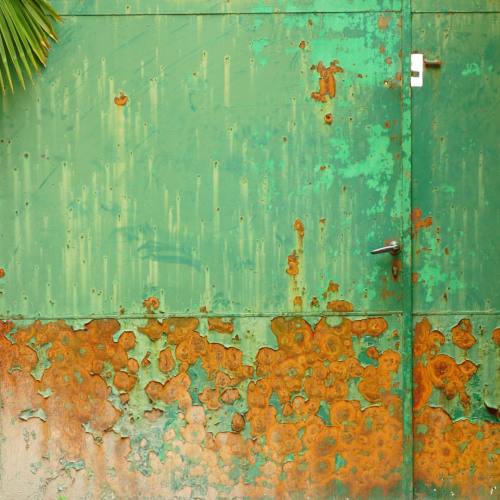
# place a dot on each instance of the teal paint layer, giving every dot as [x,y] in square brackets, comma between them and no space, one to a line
[125,7]
[455,162]
[189,190]
[472,6]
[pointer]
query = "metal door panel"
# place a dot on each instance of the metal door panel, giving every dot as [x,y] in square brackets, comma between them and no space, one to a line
[200,316]
[190,192]
[455,256]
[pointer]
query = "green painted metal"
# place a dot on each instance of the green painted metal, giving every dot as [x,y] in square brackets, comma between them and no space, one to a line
[406,239]
[456,153]
[142,7]
[456,6]
[455,254]
[190,191]
[190,307]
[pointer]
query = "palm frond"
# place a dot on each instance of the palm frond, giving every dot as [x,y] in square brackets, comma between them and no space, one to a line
[26,27]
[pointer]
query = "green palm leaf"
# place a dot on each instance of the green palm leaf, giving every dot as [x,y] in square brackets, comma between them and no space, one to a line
[25,31]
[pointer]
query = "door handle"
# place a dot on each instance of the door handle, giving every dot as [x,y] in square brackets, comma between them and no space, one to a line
[393,247]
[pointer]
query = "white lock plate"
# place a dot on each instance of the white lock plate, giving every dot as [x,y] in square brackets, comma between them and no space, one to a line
[417,70]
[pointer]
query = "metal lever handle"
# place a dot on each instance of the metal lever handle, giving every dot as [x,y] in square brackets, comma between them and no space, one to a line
[394,247]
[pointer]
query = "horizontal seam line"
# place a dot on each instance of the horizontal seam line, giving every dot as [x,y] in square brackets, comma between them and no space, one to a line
[210,315]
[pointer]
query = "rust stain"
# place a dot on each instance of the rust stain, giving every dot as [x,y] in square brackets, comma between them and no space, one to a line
[83,365]
[462,334]
[495,336]
[332,288]
[414,278]
[327,82]
[328,118]
[318,359]
[298,225]
[220,325]
[418,222]
[151,304]
[2,272]
[293,264]
[433,370]
[340,306]
[397,267]
[455,451]
[121,99]
[302,44]
[383,22]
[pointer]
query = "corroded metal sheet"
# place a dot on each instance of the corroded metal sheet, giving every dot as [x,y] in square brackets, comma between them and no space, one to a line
[175,161]
[183,408]
[456,402]
[233,172]
[455,249]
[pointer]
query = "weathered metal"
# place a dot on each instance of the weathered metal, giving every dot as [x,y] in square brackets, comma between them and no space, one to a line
[190,308]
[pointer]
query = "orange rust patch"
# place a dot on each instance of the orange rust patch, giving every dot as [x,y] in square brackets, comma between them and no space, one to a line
[435,370]
[373,327]
[383,22]
[314,302]
[2,272]
[82,363]
[151,304]
[221,326]
[495,335]
[462,334]
[450,449]
[327,83]
[154,329]
[166,361]
[238,422]
[332,287]
[414,277]
[302,44]
[372,352]
[298,225]
[293,264]
[417,222]
[328,118]
[339,306]
[121,99]
[318,361]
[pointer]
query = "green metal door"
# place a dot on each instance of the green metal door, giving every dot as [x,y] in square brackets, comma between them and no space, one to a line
[456,214]
[190,194]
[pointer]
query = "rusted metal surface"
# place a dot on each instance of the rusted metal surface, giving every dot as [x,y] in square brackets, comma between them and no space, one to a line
[207,415]
[455,247]
[196,197]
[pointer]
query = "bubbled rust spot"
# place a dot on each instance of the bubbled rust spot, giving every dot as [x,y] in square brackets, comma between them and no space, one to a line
[121,100]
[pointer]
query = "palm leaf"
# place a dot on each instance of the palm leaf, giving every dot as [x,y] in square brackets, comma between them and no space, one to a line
[26,26]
